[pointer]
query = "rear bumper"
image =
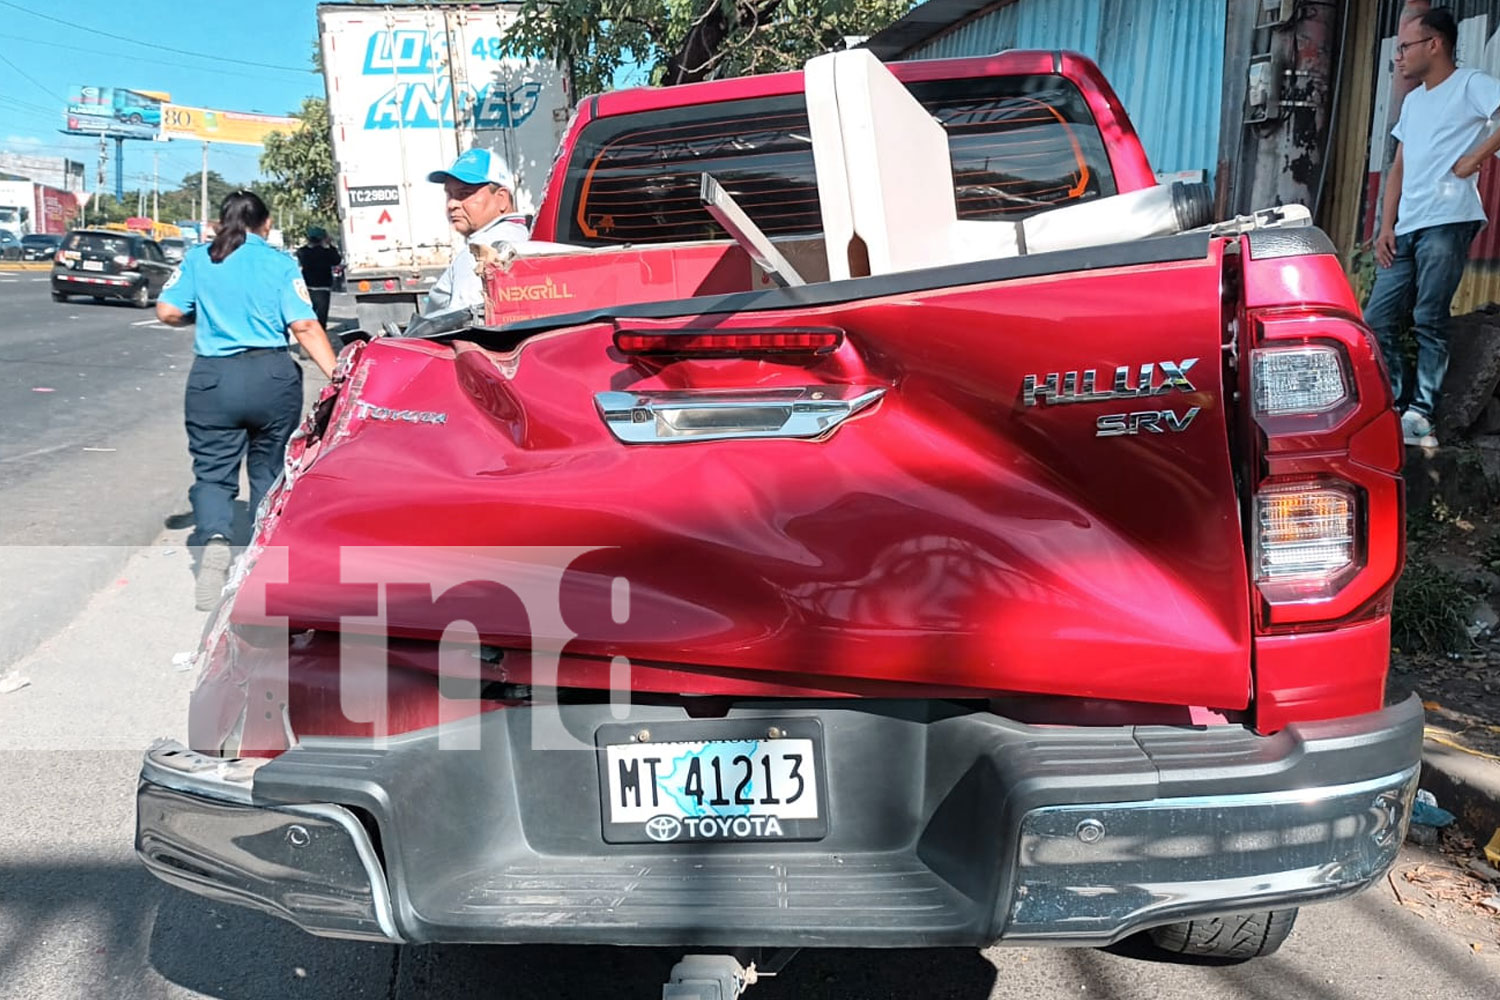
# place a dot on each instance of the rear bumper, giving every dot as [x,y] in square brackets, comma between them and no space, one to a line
[943,829]
[96,284]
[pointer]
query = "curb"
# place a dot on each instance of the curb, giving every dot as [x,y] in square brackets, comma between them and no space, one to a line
[29,265]
[1465,785]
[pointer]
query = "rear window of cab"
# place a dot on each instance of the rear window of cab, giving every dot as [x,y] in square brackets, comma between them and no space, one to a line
[1018,144]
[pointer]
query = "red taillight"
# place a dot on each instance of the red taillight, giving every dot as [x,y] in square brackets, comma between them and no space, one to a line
[390,284]
[1326,513]
[1306,540]
[728,343]
[59,258]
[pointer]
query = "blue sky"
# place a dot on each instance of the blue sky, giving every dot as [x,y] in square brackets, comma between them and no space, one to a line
[98,45]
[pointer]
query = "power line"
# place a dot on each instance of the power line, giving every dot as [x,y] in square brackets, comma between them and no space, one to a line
[17,102]
[121,55]
[150,45]
[40,86]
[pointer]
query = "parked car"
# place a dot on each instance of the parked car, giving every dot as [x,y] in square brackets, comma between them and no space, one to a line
[174,247]
[40,246]
[10,247]
[108,264]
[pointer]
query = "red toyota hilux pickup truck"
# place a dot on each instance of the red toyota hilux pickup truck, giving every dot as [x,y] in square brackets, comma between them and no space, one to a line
[1041,599]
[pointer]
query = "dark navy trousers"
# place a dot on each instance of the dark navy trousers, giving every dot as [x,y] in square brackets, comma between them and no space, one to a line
[244,406]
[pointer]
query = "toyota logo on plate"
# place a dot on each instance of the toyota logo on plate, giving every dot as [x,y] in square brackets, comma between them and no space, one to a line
[663,828]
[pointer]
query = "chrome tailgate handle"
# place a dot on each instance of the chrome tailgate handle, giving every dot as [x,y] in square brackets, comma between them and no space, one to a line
[672,416]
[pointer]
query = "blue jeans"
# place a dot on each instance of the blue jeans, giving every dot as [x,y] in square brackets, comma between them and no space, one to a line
[1421,280]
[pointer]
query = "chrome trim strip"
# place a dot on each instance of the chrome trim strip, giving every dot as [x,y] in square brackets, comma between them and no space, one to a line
[380,893]
[170,765]
[677,416]
[1095,873]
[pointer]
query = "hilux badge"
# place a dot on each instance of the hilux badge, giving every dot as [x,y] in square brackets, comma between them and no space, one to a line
[1129,382]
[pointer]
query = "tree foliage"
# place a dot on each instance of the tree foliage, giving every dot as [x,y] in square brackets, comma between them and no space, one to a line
[304,179]
[683,41]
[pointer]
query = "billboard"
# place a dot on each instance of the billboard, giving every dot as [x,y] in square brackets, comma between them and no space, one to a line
[55,209]
[117,112]
[242,128]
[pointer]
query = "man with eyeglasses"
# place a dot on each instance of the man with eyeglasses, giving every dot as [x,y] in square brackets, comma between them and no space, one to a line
[1431,211]
[481,205]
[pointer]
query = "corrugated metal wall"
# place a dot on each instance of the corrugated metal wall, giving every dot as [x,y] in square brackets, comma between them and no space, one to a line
[1368,107]
[1165,58]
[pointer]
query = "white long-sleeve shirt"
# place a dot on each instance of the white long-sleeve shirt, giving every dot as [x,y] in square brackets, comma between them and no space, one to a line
[460,285]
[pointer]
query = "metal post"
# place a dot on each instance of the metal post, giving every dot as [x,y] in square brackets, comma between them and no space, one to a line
[99,183]
[119,169]
[203,195]
[156,185]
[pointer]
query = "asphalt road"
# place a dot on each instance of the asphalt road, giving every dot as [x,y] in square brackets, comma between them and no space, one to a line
[80,918]
[92,450]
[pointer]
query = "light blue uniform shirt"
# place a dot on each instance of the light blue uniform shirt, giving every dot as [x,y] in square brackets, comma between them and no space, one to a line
[245,301]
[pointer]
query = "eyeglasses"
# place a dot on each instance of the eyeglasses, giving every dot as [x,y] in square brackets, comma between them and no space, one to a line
[1401,49]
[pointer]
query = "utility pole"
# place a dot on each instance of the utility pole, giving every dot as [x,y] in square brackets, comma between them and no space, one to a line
[203,195]
[99,184]
[120,169]
[156,185]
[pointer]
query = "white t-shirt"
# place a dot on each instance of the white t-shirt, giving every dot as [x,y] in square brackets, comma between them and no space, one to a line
[1436,127]
[459,285]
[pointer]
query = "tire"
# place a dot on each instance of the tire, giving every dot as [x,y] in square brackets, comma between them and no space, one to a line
[141,297]
[1240,936]
[59,296]
[99,300]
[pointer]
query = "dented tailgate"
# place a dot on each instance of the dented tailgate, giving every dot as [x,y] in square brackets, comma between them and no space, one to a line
[1034,494]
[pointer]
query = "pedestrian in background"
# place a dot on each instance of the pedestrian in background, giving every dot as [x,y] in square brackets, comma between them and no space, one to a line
[244,393]
[1431,211]
[317,260]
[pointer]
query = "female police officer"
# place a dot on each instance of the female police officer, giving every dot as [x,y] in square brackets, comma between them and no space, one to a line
[244,394]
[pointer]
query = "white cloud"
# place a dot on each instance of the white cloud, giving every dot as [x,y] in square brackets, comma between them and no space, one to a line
[20,140]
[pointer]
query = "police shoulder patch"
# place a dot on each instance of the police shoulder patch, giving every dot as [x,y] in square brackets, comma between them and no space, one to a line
[302,293]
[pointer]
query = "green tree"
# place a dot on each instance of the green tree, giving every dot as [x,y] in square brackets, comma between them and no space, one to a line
[683,41]
[218,190]
[304,180]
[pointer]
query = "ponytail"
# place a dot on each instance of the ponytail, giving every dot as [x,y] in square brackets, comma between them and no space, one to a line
[242,213]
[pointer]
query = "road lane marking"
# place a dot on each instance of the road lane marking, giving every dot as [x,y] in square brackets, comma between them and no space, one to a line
[144,322]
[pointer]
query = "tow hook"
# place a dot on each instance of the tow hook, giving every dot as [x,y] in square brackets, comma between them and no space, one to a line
[720,977]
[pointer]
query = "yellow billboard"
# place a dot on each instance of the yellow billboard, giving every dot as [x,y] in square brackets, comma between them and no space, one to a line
[178,121]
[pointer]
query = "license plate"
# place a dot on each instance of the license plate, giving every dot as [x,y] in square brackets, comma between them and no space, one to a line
[93,265]
[761,782]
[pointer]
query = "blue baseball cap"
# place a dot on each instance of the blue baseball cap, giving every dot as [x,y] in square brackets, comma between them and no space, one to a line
[477,166]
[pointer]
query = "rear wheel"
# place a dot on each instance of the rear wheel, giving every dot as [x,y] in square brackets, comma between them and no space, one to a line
[141,297]
[59,296]
[1240,936]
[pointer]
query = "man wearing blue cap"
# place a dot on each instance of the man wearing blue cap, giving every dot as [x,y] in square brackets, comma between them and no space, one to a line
[481,206]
